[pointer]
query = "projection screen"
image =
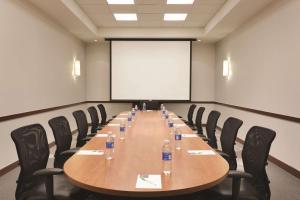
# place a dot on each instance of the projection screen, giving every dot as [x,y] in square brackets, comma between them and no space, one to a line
[150,70]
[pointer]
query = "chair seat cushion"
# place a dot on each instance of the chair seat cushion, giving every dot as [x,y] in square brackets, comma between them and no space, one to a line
[63,190]
[224,191]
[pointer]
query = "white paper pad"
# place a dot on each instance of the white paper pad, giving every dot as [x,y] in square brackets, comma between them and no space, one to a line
[201,152]
[120,118]
[189,135]
[148,181]
[149,110]
[175,118]
[90,152]
[103,135]
[123,114]
[179,125]
[113,125]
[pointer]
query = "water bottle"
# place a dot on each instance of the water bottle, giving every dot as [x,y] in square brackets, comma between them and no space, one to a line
[109,146]
[144,106]
[161,106]
[170,123]
[167,157]
[166,115]
[136,108]
[129,119]
[122,130]
[133,113]
[178,138]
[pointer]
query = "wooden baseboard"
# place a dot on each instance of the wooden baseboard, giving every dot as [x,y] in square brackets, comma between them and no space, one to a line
[13,165]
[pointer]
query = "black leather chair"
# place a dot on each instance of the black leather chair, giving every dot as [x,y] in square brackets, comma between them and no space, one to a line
[94,119]
[190,115]
[228,136]
[211,126]
[152,105]
[198,121]
[253,183]
[63,139]
[103,115]
[35,181]
[83,128]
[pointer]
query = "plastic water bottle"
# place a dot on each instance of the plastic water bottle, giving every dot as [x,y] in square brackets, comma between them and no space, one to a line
[133,113]
[167,157]
[163,112]
[170,123]
[136,108]
[129,119]
[144,106]
[161,106]
[122,130]
[178,138]
[166,115]
[110,143]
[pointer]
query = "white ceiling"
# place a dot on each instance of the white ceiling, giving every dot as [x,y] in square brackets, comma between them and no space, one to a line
[209,20]
[150,13]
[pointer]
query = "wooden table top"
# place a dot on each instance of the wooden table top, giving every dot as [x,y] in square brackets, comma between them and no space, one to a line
[141,153]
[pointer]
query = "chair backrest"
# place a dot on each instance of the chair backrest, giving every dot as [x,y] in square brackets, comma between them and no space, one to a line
[82,126]
[94,118]
[198,120]
[152,105]
[228,136]
[255,154]
[62,135]
[33,153]
[191,113]
[102,113]
[211,126]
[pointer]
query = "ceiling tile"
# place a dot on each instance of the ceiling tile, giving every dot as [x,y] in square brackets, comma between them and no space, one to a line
[96,9]
[150,8]
[150,17]
[122,8]
[150,2]
[178,8]
[91,2]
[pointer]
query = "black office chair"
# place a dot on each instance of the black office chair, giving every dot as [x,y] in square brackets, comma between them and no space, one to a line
[63,139]
[103,115]
[190,115]
[83,128]
[94,119]
[211,126]
[228,136]
[198,121]
[254,182]
[35,181]
[152,105]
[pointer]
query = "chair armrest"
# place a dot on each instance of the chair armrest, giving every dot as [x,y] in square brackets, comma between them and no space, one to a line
[99,128]
[224,155]
[48,172]
[114,116]
[91,135]
[87,138]
[69,152]
[239,174]
[194,128]
[179,116]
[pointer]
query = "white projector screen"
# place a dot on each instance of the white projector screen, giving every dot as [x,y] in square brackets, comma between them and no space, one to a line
[150,70]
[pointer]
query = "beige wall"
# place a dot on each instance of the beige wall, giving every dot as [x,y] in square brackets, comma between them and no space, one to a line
[265,75]
[98,72]
[36,58]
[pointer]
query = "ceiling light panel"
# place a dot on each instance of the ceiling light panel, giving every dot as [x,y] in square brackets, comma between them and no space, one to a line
[125,16]
[175,16]
[180,1]
[120,1]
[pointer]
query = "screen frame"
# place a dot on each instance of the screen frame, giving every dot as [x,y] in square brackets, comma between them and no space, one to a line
[148,39]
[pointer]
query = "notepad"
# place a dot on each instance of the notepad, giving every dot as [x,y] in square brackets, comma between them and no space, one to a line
[113,125]
[90,152]
[148,181]
[189,135]
[179,125]
[120,118]
[201,152]
[123,114]
[149,110]
[175,118]
[103,135]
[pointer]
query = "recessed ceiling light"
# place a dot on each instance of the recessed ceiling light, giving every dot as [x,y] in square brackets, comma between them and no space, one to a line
[95,40]
[180,1]
[175,16]
[198,40]
[120,1]
[125,16]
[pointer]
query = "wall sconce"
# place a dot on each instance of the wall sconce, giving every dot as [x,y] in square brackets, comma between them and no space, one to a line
[76,68]
[225,68]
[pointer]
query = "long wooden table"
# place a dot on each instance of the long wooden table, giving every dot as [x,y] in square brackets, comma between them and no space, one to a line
[140,153]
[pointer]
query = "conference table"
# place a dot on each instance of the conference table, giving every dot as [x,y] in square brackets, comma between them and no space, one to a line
[141,153]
